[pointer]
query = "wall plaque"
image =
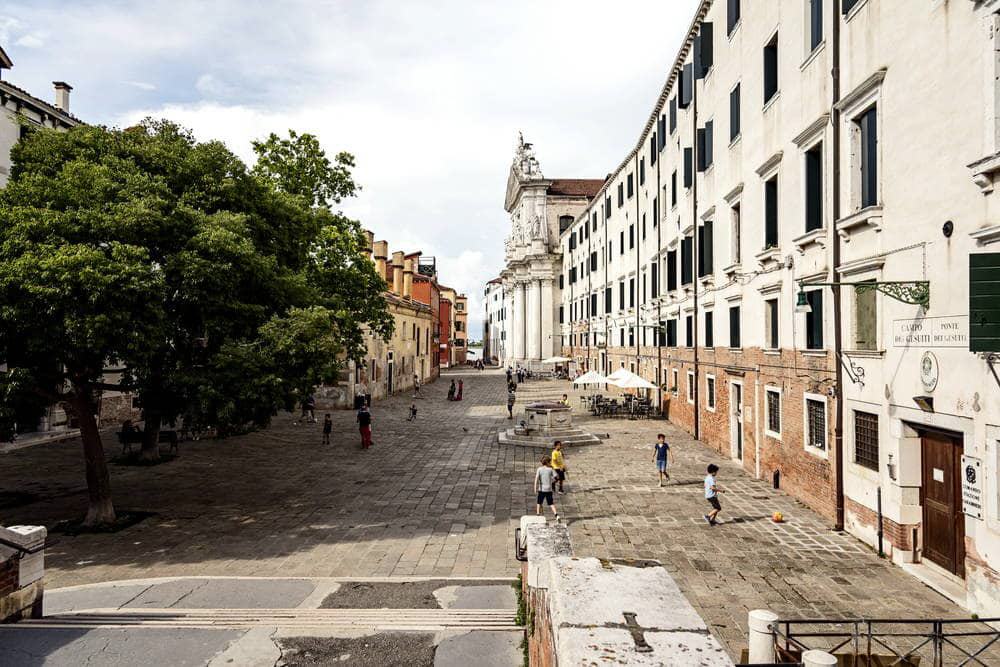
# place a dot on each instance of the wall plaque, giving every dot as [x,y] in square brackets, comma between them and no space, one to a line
[972,487]
[949,331]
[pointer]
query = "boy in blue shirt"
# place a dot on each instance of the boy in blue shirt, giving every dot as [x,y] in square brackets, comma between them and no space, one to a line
[661,455]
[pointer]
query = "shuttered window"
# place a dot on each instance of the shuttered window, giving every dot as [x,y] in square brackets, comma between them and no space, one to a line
[688,167]
[734,326]
[734,113]
[593,304]
[621,295]
[705,250]
[687,248]
[705,147]
[815,23]
[671,333]
[673,189]
[814,320]
[814,188]
[687,86]
[652,149]
[868,129]
[631,292]
[689,331]
[709,334]
[703,44]
[671,270]
[631,186]
[607,299]
[847,5]
[865,320]
[654,279]
[771,69]
[673,117]
[771,212]
[732,15]
[984,302]
[771,322]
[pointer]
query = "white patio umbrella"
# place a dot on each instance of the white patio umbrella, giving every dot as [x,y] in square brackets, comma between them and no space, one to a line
[617,375]
[556,360]
[590,377]
[635,382]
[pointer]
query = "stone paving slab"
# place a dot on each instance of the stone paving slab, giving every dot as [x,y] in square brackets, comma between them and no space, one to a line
[439,497]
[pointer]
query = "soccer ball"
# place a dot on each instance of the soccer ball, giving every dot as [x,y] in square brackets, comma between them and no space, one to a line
[777,517]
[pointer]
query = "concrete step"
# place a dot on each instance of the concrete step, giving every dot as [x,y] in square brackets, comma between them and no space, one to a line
[428,620]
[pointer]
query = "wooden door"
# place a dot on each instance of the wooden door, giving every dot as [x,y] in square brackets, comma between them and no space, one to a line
[941,498]
[736,405]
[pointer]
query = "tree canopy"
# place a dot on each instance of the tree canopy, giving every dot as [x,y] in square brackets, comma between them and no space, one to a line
[223,292]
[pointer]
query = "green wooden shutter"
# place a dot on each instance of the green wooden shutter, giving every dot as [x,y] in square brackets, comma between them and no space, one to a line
[865,321]
[984,302]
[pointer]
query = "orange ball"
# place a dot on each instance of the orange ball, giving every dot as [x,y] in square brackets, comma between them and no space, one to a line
[778,517]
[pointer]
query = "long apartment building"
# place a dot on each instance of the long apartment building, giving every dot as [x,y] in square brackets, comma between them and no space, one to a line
[802,250]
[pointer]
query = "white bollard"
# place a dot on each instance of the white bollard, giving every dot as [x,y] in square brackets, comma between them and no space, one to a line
[816,658]
[761,640]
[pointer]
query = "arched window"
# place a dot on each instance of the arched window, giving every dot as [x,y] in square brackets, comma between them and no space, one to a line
[565,221]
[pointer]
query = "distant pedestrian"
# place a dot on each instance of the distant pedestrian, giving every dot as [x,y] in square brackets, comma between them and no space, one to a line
[544,478]
[712,495]
[461,388]
[413,412]
[510,376]
[451,391]
[365,426]
[327,428]
[416,386]
[559,464]
[511,397]
[310,408]
[663,457]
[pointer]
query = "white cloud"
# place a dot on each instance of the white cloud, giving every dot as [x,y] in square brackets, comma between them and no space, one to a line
[141,85]
[30,41]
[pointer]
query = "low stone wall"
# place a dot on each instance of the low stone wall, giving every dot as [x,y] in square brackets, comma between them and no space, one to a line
[586,611]
[21,572]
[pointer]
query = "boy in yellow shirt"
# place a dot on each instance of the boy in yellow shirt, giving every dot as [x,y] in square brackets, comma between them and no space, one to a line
[558,464]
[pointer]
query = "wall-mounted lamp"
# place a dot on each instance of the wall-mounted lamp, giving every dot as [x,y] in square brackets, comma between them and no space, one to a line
[802,303]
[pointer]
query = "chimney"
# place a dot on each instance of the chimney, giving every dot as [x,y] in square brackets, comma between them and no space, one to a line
[369,246]
[408,278]
[62,95]
[397,273]
[381,249]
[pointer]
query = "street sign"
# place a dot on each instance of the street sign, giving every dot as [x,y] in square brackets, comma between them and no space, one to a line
[972,487]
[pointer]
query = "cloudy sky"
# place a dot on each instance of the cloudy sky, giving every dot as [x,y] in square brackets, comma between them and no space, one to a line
[428,94]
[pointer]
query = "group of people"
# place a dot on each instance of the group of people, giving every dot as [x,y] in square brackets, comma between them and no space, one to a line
[551,476]
[455,392]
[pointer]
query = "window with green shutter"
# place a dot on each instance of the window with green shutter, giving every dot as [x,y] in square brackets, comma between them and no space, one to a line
[865,320]
[984,302]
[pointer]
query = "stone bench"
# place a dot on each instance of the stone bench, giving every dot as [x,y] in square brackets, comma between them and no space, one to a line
[22,566]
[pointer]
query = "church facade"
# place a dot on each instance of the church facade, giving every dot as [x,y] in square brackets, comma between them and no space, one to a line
[539,208]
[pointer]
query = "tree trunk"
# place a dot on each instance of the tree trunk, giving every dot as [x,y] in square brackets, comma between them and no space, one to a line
[101,510]
[151,436]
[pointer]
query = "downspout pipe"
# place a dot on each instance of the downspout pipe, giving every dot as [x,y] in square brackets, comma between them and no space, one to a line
[639,331]
[838,423]
[694,246]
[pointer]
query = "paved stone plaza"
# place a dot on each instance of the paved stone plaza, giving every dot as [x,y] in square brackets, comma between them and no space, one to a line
[440,497]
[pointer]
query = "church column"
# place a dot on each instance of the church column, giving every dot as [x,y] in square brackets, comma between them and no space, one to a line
[534,349]
[517,323]
[549,340]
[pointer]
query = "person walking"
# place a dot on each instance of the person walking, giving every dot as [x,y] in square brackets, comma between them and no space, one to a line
[661,456]
[416,386]
[413,413]
[510,376]
[511,397]
[712,495]
[310,408]
[461,388]
[544,478]
[451,391]
[365,426]
[559,464]
[327,428]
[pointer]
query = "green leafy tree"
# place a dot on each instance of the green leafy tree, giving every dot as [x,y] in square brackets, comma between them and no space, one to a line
[224,293]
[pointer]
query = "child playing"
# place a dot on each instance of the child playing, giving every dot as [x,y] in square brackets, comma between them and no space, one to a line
[558,464]
[327,428]
[712,495]
[661,454]
[413,412]
[544,478]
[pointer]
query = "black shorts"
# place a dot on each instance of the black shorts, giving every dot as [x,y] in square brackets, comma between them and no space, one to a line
[560,475]
[544,495]
[714,502]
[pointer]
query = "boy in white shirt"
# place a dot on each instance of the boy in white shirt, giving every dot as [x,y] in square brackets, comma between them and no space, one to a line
[712,495]
[545,477]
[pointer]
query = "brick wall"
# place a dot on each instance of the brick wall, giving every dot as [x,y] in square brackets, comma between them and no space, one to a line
[895,535]
[806,473]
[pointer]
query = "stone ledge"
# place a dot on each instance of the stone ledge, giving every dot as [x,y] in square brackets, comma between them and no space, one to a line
[545,542]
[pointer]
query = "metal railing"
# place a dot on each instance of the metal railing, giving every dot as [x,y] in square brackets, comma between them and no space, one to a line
[893,642]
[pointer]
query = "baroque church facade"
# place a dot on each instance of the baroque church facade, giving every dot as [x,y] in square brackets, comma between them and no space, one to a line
[539,208]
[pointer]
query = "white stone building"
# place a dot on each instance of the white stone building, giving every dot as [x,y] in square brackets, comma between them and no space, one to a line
[539,208]
[494,322]
[848,150]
